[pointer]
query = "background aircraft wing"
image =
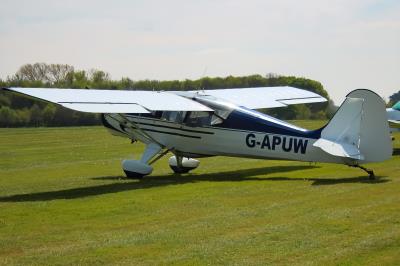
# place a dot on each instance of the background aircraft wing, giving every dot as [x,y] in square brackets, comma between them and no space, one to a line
[265,97]
[394,124]
[114,101]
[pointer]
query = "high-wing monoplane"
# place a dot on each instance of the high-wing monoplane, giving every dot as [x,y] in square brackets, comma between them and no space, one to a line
[394,117]
[195,124]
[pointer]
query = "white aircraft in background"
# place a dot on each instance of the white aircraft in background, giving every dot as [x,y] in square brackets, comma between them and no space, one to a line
[394,117]
[194,124]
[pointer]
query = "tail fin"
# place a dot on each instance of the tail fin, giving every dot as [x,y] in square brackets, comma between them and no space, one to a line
[359,130]
[393,115]
[396,106]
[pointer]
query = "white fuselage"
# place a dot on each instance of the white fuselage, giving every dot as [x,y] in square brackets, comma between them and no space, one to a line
[211,141]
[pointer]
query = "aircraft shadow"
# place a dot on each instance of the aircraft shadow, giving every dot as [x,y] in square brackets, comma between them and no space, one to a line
[334,181]
[174,179]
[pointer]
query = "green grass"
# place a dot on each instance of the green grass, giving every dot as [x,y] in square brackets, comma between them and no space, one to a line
[63,200]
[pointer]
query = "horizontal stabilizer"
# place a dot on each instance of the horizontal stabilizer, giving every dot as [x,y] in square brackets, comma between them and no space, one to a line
[339,149]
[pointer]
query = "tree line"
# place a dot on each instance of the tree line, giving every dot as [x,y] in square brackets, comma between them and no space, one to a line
[394,98]
[20,111]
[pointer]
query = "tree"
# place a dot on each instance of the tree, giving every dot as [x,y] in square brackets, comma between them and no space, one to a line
[126,83]
[302,111]
[64,117]
[58,73]
[394,98]
[53,73]
[4,100]
[48,114]
[36,116]
[8,116]
[79,79]
[35,72]
[23,117]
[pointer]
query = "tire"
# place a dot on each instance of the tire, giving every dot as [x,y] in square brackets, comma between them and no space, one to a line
[133,175]
[181,170]
[136,169]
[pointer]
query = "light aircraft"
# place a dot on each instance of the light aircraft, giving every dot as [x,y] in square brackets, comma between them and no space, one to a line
[394,117]
[195,124]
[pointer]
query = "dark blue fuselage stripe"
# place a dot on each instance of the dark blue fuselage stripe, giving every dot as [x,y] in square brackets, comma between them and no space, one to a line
[182,129]
[108,125]
[170,133]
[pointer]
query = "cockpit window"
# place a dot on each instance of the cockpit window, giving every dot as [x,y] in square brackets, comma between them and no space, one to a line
[221,110]
[156,114]
[396,106]
[198,119]
[173,116]
[201,118]
[215,120]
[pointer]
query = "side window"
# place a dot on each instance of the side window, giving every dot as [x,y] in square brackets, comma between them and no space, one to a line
[173,116]
[198,119]
[156,114]
[215,120]
[219,116]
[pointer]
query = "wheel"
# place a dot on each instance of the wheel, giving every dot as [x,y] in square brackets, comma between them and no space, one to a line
[133,175]
[187,165]
[181,170]
[371,175]
[136,169]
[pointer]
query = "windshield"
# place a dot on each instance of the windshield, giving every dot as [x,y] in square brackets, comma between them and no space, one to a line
[397,106]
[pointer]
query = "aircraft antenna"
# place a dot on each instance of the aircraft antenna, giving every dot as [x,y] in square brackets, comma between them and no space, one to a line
[203,76]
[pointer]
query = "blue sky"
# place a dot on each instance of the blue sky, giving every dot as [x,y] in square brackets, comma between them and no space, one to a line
[344,44]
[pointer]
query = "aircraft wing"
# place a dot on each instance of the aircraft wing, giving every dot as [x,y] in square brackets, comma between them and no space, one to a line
[113,101]
[264,97]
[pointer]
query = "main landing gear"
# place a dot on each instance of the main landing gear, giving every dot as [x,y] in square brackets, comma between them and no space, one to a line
[182,165]
[137,169]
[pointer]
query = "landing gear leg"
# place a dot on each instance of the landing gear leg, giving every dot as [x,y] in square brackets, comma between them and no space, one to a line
[370,172]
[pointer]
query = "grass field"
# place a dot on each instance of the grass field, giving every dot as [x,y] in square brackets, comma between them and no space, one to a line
[63,200]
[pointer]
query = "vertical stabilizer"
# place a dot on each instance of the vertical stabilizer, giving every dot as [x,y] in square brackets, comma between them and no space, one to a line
[359,131]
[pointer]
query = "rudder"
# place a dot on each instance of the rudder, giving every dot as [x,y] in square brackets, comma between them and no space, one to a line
[359,131]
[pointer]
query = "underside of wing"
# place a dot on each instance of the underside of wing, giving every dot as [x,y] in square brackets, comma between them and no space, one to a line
[113,101]
[264,97]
